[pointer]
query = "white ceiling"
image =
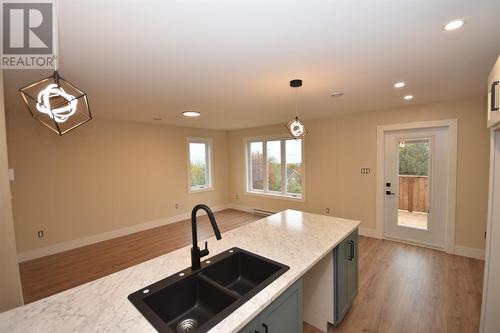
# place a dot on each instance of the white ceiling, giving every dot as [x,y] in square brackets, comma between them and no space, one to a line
[232,60]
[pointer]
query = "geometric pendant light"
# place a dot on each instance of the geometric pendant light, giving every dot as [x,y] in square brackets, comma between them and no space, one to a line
[296,127]
[55,102]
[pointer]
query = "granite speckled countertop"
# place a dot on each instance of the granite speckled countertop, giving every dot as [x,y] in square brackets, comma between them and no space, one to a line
[291,237]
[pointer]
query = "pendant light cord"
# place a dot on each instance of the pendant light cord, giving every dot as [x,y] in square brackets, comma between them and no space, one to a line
[296,103]
[56,35]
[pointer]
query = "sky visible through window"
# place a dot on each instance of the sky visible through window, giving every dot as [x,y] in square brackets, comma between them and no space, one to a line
[197,153]
[293,151]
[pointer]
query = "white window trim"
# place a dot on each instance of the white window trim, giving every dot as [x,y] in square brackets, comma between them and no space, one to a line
[209,149]
[264,193]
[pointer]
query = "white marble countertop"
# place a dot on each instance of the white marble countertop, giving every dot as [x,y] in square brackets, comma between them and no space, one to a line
[294,238]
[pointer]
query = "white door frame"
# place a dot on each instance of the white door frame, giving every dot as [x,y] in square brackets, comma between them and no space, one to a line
[494,131]
[452,126]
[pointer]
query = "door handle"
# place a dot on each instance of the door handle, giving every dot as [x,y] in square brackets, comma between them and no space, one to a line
[351,250]
[265,328]
[389,193]
[494,107]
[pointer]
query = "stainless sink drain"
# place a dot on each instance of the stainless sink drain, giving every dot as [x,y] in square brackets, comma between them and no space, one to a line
[187,325]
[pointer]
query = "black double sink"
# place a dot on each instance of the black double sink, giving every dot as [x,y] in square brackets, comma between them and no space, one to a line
[195,301]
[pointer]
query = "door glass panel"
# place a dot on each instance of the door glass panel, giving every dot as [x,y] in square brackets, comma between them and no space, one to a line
[274,166]
[414,167]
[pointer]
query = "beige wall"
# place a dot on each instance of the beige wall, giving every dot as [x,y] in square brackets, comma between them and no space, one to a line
[101,177]
[112,174]
[337,147]
[10,283]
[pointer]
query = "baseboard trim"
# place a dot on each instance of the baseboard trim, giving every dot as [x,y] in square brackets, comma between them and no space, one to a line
[73,244]
[369,232]
[469,252]
[464,251]
[76,243]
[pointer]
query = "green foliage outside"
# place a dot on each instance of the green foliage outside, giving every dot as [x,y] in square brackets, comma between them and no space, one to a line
[274,173]
[257,171]
[414,159]
[198,174]
[294,175]
[294,178]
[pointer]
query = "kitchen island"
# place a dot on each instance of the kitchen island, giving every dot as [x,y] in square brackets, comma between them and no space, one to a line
[294,238]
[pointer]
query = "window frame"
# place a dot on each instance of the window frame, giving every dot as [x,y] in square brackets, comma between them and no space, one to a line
[248,169]
[208,160]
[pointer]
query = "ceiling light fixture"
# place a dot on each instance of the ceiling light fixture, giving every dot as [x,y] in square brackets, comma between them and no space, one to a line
[408,97]
[191,114]
[453,25]
[296,127]
[55,102]
[399,84]
[337,94]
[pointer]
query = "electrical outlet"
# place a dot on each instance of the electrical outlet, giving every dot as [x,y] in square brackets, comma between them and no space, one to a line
[11,174]
[176,205]
[365,171]
[327,211]
[40,233]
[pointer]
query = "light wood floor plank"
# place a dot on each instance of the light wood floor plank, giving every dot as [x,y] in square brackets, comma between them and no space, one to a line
[403,288]
[52,274]
[409,289]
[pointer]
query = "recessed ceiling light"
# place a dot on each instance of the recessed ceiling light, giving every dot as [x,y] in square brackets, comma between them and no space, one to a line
[453,25]
[191,114]
[408,97]
[337,94]
[399,84]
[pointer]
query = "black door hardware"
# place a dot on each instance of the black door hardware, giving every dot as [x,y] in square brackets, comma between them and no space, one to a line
[494,106]
[389,193]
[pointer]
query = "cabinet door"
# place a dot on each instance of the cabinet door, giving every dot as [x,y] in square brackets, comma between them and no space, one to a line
[251,327]
[284,314]
[341,253]
[352,267]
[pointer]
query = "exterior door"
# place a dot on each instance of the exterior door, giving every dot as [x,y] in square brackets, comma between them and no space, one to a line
[415,173]
[490,321]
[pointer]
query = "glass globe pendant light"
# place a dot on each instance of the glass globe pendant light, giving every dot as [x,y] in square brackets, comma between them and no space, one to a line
[55,102]
[296,127]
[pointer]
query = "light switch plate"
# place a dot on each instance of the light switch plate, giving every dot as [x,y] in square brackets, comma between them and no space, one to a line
[11,174]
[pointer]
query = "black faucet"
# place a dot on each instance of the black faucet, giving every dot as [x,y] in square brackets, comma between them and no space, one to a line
[196,253]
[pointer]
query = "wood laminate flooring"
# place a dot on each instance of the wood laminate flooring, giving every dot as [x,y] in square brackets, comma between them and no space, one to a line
[409,289]
[402,288]
[49,275]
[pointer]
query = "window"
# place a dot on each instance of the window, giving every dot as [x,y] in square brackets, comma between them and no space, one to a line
[200,168]
[275,167]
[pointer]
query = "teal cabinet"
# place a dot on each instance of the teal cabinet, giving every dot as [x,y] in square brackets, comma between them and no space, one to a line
[251,327]
[346,275]
[282,315]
